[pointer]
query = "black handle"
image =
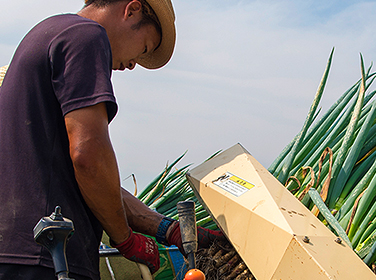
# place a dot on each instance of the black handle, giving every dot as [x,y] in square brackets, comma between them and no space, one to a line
[53,232]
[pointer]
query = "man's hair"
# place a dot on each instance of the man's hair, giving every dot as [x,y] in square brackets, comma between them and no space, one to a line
[101,3]
[148,14]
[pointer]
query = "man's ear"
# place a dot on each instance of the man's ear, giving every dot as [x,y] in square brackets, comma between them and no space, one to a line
[132,8]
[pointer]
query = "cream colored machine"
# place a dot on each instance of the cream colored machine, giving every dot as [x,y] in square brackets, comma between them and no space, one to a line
[276,235]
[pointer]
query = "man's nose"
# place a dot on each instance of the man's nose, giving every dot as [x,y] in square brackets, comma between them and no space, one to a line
[131,65]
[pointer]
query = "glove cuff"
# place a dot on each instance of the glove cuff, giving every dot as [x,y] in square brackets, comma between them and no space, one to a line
[126,245]
[162,230]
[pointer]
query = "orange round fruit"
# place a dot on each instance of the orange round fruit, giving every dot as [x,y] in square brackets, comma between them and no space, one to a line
[194,274]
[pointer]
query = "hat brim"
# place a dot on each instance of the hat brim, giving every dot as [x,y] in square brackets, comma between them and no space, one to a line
[165,13]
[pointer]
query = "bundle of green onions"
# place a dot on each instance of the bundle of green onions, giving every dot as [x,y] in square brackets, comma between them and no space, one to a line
[330,166]
[170,187]
[337,157]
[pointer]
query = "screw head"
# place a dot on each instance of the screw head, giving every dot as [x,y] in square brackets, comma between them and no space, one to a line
[306,239]
[50,235]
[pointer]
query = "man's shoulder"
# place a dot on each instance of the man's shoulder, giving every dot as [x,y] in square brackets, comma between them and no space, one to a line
[69,19]
[71,28]
[65,21]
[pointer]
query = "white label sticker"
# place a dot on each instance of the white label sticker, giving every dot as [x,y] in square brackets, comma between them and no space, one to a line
[233,184]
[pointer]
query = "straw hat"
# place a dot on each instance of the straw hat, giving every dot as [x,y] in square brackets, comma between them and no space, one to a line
[2,73]
[166,16]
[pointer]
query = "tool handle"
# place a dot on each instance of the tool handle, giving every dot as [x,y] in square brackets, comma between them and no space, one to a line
[53,233]
[145,271]
[188,229]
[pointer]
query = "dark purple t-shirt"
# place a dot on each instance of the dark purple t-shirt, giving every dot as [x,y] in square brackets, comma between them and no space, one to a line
[62,64]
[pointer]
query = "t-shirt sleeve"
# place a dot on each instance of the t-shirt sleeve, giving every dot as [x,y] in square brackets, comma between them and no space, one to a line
[80,59]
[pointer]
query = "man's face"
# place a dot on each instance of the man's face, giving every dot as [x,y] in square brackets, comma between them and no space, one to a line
[133,45]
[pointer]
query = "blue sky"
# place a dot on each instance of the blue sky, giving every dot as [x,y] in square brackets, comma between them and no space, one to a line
[242,71]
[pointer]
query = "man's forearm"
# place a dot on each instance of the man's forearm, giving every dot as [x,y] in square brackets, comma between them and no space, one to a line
[140,217]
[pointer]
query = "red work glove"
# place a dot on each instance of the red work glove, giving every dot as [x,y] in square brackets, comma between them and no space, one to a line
[141,249]
[205,237]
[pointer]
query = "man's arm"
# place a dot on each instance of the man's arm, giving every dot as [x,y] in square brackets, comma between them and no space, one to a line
[97,175]
[96,168]
[140,217]
[98,178]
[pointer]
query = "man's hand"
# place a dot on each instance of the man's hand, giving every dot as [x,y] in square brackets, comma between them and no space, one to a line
[205,237]
[141,249]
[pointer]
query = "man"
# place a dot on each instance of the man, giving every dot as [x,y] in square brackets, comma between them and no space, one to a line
[56,102]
